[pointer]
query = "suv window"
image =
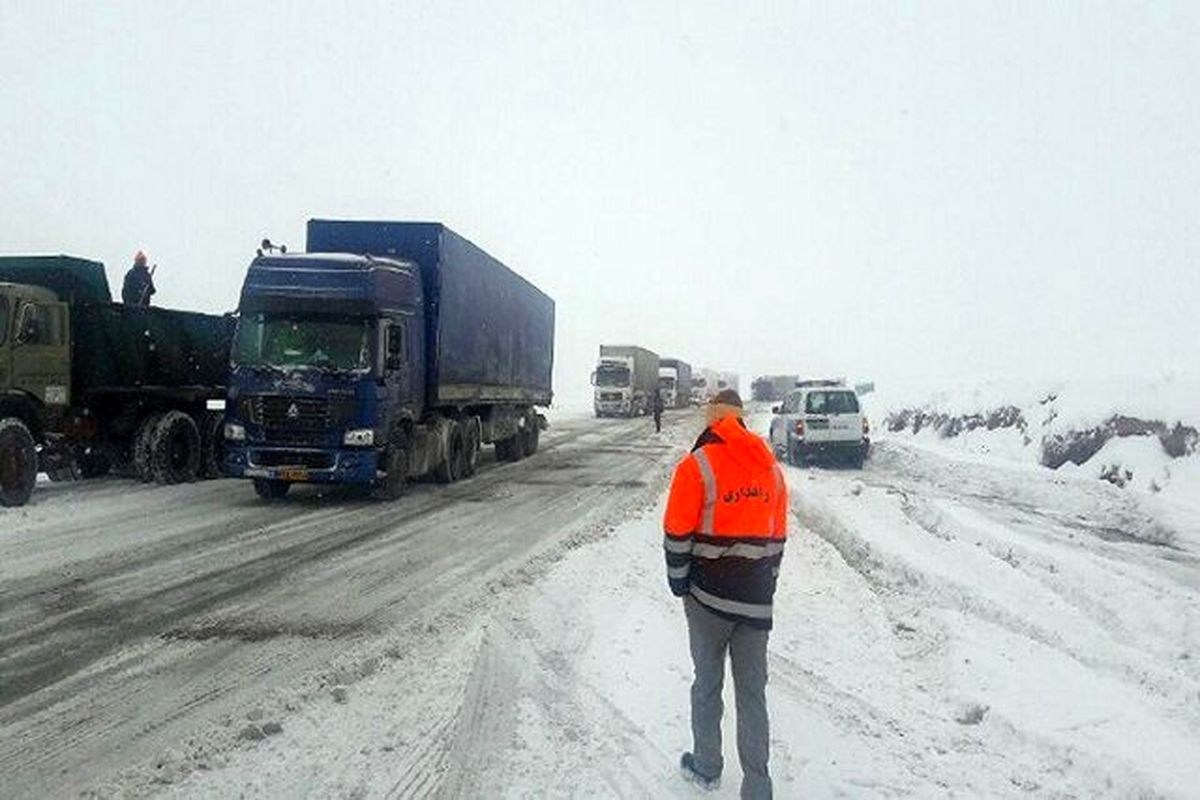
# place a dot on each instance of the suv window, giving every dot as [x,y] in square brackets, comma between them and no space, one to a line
[3,320]
[841,402]
[39,325]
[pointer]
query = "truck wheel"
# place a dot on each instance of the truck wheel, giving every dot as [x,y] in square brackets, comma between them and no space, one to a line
[450,469]
[175,449]
[212,445]
[395,466]
[140,453]
[531,437]
[18,463]
[268,489]
[474,442]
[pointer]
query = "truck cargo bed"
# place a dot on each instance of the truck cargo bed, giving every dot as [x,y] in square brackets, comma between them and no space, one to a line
[490,331]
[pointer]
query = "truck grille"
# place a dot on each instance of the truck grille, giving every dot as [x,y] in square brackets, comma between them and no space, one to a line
[296,420]
[610,395]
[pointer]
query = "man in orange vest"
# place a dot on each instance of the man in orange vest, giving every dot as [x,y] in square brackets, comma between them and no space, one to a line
[726,524]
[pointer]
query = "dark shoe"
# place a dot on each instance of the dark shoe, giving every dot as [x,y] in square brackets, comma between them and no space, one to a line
[687,765]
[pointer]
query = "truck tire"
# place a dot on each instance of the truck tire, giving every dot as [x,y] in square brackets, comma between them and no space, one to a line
[395,466]
[175,449]
[269,489]
[531,436]
[474,443]
[212,445]
[511,449]
[18,463]
[140,451]
[450,468]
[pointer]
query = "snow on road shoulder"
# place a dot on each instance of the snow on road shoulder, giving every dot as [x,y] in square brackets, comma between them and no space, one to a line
[941,627]
[1056,619]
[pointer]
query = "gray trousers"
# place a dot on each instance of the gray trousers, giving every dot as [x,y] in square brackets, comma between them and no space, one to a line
[711,637]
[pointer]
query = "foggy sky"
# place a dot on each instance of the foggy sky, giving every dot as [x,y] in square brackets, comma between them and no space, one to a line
[959,190]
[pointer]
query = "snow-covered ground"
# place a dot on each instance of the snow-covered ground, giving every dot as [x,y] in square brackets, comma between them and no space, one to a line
[1057,411]
[947,624]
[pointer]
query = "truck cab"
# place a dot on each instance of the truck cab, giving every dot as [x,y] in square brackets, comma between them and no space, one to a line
[613,379]
[327,362]
[820,420]
[35,348]
[668,386]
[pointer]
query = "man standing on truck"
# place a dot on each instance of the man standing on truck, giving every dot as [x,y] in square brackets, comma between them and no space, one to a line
[139,282]
[658,410]
[725,525]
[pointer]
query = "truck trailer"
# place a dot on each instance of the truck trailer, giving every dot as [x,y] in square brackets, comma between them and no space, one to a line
[675,382]
[386,352]
[625,378]
[88,385]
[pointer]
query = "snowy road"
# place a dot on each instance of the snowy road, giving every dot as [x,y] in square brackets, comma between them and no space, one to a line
[943,628]
[945,625]
[142,629]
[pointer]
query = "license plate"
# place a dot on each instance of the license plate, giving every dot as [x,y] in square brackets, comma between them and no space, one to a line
[293,474]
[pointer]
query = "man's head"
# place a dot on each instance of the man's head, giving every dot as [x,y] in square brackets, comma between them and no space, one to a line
[724,404]
[139,259]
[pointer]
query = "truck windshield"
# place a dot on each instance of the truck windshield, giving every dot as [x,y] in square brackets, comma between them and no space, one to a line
[612,376]
[297,341]
[666,382]
[3,320]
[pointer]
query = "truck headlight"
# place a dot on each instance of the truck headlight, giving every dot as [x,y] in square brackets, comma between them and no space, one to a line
[235,432]
[364,437]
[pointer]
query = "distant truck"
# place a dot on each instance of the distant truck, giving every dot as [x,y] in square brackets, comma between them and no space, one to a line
[626,378]
[88,385]
[387,351]
[771,388]
[704,385]
[675,382]
[728,380]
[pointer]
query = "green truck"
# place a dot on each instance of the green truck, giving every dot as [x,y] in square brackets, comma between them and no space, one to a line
[89,386]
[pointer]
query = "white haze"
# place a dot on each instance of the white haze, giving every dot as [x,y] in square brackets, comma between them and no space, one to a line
[951,190]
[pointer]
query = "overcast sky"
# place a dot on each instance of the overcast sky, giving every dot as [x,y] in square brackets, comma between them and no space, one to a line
[939,191]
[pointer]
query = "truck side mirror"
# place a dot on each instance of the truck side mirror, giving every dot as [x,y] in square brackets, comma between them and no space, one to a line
[777,409]
[593,379]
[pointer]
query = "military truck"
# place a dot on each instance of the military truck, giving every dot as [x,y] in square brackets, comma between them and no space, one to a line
[88,386]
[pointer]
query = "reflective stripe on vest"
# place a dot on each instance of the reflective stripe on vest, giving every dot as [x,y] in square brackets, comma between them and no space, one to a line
[738,550]
[673,545]
[709,516]
[751,610]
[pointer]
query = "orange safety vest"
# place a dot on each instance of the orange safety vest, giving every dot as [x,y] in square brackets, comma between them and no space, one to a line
[726,523]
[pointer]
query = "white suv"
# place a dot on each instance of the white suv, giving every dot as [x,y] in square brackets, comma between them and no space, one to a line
[820,420]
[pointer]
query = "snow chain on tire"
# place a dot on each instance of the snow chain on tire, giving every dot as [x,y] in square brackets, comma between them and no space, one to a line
[139,454]
[175,449]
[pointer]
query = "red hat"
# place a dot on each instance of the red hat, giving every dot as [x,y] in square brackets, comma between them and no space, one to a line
[139,257]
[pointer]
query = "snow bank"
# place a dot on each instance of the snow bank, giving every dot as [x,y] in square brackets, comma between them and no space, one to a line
[1143,435]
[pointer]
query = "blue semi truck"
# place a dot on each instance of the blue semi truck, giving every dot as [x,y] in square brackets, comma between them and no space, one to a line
[387,351]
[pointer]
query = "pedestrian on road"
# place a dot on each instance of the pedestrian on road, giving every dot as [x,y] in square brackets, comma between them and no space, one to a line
[658,410]
[139,282]
[726,524]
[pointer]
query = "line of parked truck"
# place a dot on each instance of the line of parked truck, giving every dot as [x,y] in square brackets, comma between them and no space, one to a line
[627,377]
[386,351]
